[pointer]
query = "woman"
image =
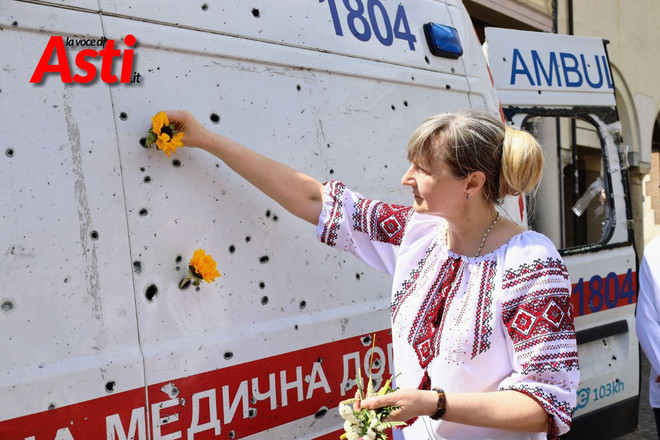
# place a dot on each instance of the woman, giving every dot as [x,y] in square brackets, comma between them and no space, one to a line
[482,325]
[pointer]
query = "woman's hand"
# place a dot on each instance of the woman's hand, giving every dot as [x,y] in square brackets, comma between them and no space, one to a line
[195,134]
[412,403]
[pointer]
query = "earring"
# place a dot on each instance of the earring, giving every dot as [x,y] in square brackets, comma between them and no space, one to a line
[467,196]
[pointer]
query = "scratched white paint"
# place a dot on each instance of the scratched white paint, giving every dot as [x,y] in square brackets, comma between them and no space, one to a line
[73,325]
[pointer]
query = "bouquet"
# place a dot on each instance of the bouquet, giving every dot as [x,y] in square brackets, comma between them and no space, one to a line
[367,424]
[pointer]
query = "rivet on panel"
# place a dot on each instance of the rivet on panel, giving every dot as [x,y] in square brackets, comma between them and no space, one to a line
[151,292]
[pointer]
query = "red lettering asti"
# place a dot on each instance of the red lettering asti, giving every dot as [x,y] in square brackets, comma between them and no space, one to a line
[107,54]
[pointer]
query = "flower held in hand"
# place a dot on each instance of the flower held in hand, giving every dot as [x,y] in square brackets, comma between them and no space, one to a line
[164,135]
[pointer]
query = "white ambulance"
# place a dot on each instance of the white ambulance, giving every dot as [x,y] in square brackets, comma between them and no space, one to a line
[98,339]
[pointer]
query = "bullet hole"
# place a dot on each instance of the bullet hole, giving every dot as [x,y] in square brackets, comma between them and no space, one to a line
[176,163]
[215,118]
[9,152]
[143,212]
[51,407]
[255,12]
[613,357]
[7,306]
[264,259]
[143,142]
[252,413]
[357,276]
[247,239]
[14,23]
[66,280]
[94,235]
[147,179]
[319,360]
[298,87]
[228,355]
[426,58]
[504,59]
[539,92]
[183,285]
[332,171]
[253,400]
[264,300]
[151,292]
[393,108]
[178,259]
[302,304]
[275,218]
[262,285]
[405,103]
[268,213]
[142,169]
[137,266]
[182,401]
[295,327]
[205,7]
[110,386]
[366,340]
[321,413]
[232,249]
[123,116]
[376,364]
[412,78]
[232,434]
[604,342]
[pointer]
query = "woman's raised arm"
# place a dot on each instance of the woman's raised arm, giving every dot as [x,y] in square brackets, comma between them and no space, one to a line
[298,193]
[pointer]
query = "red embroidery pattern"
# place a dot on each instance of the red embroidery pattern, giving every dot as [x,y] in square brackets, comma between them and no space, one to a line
[408,286]
[336,192]
[382,222]
[428,324]
[559,410]
[538,269]
[483,328]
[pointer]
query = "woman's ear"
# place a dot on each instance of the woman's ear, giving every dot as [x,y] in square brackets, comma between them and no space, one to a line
[474,183]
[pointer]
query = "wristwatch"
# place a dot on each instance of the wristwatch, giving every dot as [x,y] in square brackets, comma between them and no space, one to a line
[442,404]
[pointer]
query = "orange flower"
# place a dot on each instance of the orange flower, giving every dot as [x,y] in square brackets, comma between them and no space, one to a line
[164,135]
[203,266]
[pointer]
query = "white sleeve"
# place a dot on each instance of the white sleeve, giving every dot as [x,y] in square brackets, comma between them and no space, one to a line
[370,230]
[648,304]
[537,315]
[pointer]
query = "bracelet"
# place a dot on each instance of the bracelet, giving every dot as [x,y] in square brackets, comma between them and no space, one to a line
[442,404]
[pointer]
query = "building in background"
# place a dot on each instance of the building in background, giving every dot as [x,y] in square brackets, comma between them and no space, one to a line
[635,58]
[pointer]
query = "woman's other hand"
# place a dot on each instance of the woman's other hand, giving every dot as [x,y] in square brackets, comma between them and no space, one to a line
[411,402]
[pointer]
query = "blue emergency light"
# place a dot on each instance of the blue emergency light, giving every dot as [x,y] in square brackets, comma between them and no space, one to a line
[443,40]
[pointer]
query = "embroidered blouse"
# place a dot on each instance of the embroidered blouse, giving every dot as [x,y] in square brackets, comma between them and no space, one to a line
[501,321]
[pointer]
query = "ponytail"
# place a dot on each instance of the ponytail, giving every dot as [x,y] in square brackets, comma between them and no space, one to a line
[522,163]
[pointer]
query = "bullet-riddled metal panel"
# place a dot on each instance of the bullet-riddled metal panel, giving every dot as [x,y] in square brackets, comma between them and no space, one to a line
[384,30]
[68,310]
[280,289]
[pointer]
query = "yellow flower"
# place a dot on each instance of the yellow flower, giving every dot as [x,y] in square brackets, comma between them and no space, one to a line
[159,120]
[168,143]
[203,266]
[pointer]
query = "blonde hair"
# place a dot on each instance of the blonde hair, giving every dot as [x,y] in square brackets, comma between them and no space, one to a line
[469,141]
